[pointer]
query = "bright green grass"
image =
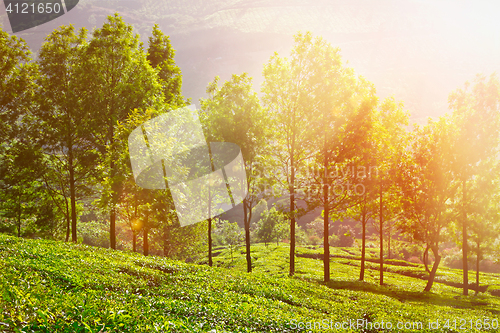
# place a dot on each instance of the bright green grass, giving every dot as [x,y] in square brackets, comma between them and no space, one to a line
[275,259]
[49,286]
[443,299]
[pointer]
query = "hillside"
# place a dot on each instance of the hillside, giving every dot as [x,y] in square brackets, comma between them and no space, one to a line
[49,286]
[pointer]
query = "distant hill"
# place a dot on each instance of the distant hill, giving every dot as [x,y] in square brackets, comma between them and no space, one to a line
[418,51]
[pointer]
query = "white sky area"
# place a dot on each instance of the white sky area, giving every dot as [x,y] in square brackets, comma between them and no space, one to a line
[416,50]
[426,49]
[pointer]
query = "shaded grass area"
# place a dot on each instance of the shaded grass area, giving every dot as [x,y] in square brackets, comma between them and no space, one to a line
[276,261]
[48,286]
[403,281]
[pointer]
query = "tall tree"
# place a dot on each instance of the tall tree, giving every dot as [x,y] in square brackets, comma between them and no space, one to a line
[361,174]
[21,163]
[152,209]
[378,147]
[390,139]
[232,113]
[160,55]
[289,96]
[118,78]
[65,126]
[484,213]
[427,186]
[337,98]
[475,111]
[17,88]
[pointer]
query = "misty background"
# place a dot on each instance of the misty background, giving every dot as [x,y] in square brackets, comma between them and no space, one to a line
[418,51]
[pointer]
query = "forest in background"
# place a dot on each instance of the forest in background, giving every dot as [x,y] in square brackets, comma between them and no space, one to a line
[318,135]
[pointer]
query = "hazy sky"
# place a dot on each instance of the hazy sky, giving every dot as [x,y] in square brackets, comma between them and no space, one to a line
[417,50]
[425,49]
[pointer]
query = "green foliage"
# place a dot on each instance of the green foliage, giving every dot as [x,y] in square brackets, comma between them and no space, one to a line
[345,237]
[228,233]
[428,186]
[118,79]
[161,57]
[184,243]
[24,201]
[476,148]
[297,91]
[233,113]
[61,124]
[272,225]
[16,82]
[94,233]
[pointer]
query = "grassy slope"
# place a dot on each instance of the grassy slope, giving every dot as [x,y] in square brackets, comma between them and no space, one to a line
[345,266]
[55,287]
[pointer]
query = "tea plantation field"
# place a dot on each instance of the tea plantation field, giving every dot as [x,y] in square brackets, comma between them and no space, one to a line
[48,286]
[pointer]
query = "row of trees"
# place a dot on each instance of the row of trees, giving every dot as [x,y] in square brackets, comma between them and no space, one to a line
[318,135]
[336,146]
[66,116]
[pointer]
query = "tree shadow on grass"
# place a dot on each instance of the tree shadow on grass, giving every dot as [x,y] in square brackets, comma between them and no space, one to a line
[412,296]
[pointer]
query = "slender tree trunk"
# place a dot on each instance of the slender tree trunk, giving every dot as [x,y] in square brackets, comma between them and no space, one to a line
[363,246]
[292,199]
[134,232]
[247,236]
[112,213]
[210,263]
[425,259]
[381,240]
[146,241]
[165,240]
[292,225]
[326,207]
[434,268]
[326,231]
[72,194]
[19,215]
[165,226]
[112,223]
[389,242]
[464,241]
[477,266]
[68,220]
[145,233]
